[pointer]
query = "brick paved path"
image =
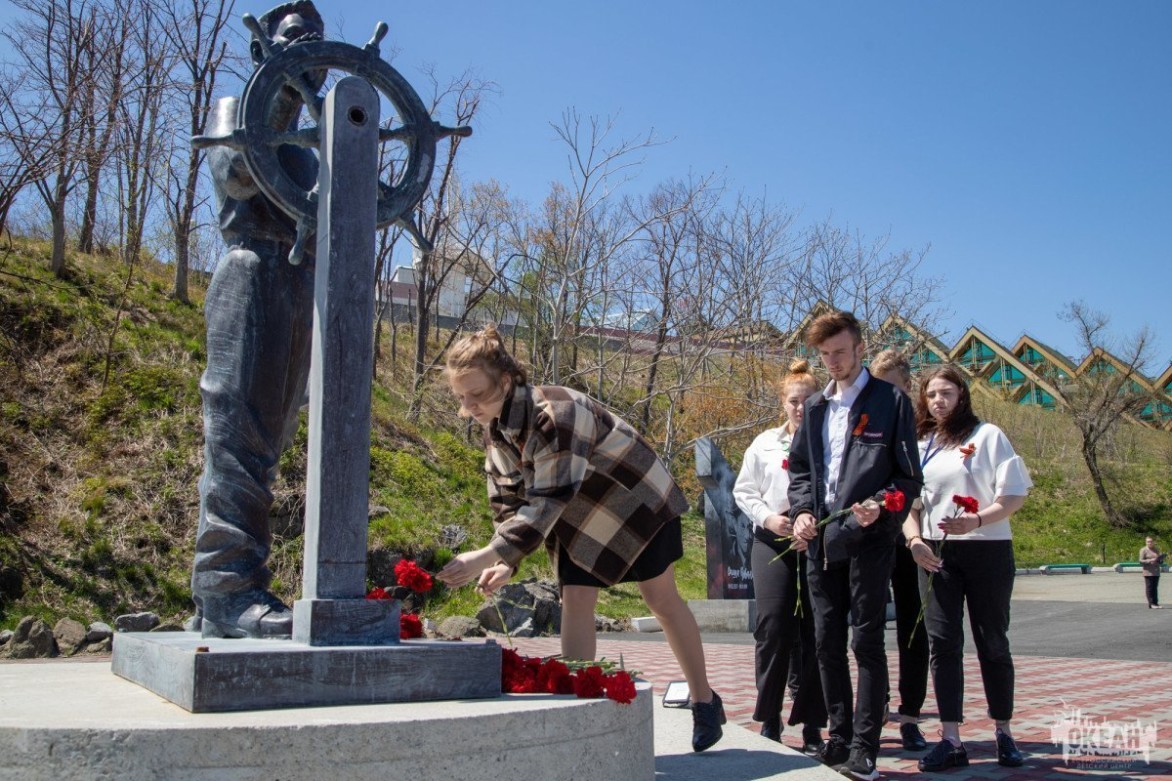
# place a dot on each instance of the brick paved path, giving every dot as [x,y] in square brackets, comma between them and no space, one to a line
[1114,691]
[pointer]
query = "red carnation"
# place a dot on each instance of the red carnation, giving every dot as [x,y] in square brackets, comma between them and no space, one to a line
[410,575]
[620,687]
[410,626]
[893,501]
[378,592]
[862,424]
[784,464]
[589,682]
[554,678]
[966,503]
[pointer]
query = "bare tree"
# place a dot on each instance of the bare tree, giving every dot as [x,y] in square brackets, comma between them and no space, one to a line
[196,30]
[1109,387]
[442,250]
[842,268]
[57,46]
[106,67]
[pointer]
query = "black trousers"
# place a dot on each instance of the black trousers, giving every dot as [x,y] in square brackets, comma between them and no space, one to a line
[1152,587]
[913,646]
[785,636]
[978,574]
[853,593]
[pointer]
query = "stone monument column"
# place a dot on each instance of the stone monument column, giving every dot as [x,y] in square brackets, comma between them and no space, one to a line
[333,609]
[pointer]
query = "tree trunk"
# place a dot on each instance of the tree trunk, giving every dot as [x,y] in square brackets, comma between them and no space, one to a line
[1114,517]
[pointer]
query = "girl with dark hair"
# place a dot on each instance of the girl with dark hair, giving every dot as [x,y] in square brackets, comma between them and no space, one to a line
[784,632]
[565,472]
[969,548]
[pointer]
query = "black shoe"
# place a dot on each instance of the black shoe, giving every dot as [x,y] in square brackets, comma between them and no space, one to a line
[706,720]
[812,741]
[913,739]
[834,752]
[943,756]
[1007,753]
[771,729]
[253,613]
[861,765]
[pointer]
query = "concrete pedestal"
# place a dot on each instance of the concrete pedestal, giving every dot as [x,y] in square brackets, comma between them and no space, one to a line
[71,721]
[724,615]
[207,675]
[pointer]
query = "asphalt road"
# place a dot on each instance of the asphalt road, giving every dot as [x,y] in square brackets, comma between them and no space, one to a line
[1099,616]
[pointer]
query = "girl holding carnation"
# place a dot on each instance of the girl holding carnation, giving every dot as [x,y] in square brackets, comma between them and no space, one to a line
[564,472]
[785,629]
[959,530]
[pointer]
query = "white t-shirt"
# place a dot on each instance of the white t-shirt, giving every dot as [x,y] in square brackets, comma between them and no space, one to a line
[991,470]
[762,486]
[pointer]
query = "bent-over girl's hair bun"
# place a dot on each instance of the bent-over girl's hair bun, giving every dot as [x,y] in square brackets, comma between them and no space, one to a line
[485,350]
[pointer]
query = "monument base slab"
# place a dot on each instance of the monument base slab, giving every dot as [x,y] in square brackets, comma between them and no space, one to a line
[209,675]
[71,721]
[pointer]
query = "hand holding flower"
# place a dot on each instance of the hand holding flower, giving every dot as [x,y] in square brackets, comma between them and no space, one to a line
[805,527]
[779,524]
[866,513]
[925,557]
[467,567]
[493,578]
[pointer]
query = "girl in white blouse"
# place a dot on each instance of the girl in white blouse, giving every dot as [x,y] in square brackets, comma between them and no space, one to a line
[784,632]
[974,567]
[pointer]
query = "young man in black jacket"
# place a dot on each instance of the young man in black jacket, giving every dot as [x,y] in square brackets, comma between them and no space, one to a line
[857,440]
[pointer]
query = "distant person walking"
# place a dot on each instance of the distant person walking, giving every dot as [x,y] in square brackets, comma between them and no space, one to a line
[1151,559]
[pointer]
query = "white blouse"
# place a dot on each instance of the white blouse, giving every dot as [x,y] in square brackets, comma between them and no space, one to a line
[990,470]
[762,486]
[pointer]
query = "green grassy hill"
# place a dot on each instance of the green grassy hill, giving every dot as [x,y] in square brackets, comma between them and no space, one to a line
[100,454]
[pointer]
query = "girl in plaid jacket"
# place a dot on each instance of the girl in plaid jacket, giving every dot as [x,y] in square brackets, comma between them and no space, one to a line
[566,473]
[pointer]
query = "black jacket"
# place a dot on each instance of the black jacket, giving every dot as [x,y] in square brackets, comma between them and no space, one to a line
[881,454]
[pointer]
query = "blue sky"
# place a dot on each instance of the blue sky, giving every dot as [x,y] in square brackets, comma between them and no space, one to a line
[1026,141]
[1029,143]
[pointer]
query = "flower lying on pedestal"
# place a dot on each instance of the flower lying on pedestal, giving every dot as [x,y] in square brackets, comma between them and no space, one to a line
[551,675]
[409,577]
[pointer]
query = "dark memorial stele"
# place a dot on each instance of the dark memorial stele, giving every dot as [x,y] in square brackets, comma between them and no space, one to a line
[290,309]
[728,532]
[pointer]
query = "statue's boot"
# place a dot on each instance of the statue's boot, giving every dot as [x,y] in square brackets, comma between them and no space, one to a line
[254,613]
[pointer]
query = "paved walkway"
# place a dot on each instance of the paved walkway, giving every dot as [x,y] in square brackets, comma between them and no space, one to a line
[1051,688]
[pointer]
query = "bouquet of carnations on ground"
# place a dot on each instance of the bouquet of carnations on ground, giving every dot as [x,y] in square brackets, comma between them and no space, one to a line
[552,675]
[410,580]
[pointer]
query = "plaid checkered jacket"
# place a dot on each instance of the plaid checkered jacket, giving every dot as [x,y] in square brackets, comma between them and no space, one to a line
[562,470]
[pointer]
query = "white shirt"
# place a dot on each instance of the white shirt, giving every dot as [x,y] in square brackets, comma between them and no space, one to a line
[762,486]
[993,469]
[834,428]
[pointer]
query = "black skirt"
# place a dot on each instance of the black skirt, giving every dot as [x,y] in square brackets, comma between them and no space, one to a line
[666,547]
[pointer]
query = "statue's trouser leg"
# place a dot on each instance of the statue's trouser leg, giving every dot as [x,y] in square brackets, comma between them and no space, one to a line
[259,312]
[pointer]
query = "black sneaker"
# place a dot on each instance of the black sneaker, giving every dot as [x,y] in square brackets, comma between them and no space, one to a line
[1007,753]
[861,765]
[913,739]
[944,755]
[771,729]
[834,752]
[706,720]
[812,741]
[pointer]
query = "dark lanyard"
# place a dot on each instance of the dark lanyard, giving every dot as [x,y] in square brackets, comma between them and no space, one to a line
[929,453]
